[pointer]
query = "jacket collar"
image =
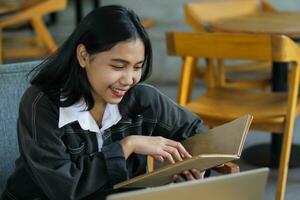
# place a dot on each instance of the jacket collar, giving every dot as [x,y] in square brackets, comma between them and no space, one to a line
[78,112]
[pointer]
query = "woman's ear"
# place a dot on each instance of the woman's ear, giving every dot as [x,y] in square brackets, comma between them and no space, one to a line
[82,55]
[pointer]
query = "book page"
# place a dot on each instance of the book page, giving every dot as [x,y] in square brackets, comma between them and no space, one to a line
[228,138]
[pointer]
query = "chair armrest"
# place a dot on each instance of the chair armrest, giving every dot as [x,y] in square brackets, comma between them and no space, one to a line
[227,168]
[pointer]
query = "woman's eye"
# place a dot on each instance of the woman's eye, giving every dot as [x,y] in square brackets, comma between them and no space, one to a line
[117,67]
[138,68]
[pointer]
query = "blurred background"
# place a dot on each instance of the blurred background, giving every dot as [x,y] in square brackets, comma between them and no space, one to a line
[167,15]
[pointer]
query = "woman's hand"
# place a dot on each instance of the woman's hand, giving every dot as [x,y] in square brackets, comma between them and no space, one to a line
[160,148]
[188,175]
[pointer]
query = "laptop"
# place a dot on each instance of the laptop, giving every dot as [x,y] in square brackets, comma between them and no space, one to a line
[246,185]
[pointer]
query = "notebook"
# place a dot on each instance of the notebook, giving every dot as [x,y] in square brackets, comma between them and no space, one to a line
[212,148]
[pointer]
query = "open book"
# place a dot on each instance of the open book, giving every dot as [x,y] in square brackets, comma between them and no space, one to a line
[209,149]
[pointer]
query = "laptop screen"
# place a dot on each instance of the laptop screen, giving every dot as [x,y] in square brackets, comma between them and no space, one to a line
[243,186]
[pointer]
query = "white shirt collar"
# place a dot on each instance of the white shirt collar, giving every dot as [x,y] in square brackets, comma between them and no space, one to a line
[77,112]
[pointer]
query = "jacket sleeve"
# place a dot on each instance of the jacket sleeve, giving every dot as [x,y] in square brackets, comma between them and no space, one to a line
[172,120]
[48,162]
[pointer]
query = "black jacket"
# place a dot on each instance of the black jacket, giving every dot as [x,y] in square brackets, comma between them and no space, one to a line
[64,163]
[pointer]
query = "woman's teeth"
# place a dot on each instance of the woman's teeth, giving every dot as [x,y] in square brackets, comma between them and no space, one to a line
[118,90]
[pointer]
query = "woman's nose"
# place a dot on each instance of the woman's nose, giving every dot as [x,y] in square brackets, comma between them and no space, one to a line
[128,78]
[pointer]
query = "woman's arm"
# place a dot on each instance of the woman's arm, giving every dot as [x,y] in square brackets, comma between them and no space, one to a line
[169,122]
[172,120]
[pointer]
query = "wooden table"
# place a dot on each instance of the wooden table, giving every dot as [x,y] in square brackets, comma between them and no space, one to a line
[285,23]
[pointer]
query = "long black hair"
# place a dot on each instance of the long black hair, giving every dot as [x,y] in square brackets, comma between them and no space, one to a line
[60,75]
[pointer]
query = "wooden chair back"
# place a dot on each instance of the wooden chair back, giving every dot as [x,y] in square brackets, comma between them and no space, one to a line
[199,15]
[226,46]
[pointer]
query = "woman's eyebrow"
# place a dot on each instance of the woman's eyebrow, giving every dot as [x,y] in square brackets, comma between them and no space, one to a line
[125,61]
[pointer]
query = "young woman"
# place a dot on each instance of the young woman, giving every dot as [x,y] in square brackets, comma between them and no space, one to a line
[87,122]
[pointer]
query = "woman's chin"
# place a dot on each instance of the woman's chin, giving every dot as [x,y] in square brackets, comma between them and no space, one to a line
[114,100]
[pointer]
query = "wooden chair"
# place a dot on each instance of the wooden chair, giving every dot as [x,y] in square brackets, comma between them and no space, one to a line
[200,14]
[272,111]
[32,12]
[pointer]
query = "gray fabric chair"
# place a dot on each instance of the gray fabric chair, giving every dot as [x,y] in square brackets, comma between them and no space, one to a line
[13,83]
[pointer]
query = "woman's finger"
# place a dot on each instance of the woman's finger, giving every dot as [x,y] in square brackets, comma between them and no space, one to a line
[197,174]
[177,178]
[174,152]
[167,156]
[159,158]
[188,175]
[183,152]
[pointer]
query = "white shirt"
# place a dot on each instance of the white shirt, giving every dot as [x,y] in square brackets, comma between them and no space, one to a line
[77,112]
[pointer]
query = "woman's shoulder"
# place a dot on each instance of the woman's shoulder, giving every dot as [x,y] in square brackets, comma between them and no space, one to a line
[34,95]
[145,90]
[139,99]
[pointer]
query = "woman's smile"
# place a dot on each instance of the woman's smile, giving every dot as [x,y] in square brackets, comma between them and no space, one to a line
[117,92]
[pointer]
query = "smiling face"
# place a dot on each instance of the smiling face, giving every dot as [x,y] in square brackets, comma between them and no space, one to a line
[112,73]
